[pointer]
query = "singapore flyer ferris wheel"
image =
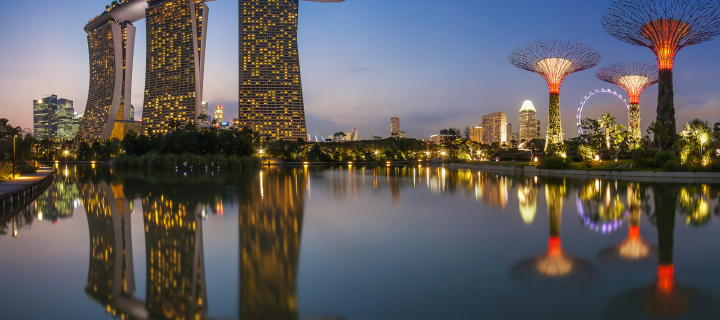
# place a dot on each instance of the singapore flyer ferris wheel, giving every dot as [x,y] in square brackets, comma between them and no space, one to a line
[601,101]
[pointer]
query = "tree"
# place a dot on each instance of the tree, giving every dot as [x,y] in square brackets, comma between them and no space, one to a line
[339,136]
[466,133]
[607,121]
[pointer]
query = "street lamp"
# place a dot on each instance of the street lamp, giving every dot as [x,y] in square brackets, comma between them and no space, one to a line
[13,162]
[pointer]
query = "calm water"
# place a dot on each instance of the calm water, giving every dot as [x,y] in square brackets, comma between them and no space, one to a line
[361,243]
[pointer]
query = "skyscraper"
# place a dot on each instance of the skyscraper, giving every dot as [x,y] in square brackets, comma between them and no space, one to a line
[354,136]
[476,134]
[529,125]
[394,127]
[270,99]
[52,118]
[176,33]
[509,132]
[111,43]
[494,127]
[219,113]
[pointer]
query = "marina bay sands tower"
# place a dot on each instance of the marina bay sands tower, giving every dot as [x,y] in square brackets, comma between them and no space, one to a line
[175,57]
[270,90]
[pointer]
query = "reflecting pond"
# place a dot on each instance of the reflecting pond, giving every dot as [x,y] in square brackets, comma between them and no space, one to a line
[397,242]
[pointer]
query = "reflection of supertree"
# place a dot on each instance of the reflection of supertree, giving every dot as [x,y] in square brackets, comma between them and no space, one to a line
[554,263]
[664,26]
[554,60]
[600,207]
[271,217]
[634,247]
[633,78]
[665,298]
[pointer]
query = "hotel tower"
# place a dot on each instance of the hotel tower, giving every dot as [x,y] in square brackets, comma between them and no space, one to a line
[111,41]
[270,90]
[176,33]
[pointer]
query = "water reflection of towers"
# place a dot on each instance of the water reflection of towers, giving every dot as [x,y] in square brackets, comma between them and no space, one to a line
[174,255]
[271,216]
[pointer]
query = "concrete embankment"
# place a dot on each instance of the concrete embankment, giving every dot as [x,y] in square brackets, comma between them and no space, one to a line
[620,175]
[22,190]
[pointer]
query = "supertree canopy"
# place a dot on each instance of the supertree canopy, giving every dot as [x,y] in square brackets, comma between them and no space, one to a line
[554,60]
[633,77]
[664,26]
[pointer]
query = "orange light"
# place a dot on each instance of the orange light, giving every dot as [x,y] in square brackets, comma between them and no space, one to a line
[634,232]
[666,278]
[554,246]
[665,35]
[554,70]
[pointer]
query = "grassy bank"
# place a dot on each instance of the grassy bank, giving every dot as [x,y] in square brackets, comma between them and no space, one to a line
[185,163]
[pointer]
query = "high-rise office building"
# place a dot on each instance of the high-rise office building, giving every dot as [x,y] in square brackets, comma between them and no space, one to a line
[395,127]
[111,43]
[476,134]
[53,118]
[539,133]
[176,33]
[529,125]
[494,127]
[270,98]
[219,114]
[509,135]
[354,136]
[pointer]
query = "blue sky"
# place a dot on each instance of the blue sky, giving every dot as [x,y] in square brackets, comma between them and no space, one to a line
[434,64]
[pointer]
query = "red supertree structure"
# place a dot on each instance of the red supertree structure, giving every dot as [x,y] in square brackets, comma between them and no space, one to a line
[554,60]
[633,77]
[664,26]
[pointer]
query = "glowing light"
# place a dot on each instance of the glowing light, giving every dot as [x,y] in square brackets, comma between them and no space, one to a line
[443,153]
[597,157]
[634,86]
[376,152]
[665,35]
[535,159]
[554,70]
[306,163]
[527,106]
[261,151]
[40,215]
[665,279]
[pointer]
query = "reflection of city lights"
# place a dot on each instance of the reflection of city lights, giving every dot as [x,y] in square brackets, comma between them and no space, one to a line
[535,179]
[443,153]
[535,159]
[597,185]
[40,217]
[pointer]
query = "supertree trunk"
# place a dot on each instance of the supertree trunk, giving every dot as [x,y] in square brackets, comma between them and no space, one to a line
[554,139]
[634,116]
[665,129]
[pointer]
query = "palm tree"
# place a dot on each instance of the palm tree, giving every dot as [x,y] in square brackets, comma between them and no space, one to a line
[607,121]
[696,132]
[202,117]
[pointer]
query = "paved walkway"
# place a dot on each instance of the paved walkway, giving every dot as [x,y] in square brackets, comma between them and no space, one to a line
[24,185]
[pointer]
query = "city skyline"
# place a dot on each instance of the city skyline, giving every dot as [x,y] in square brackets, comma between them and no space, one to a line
[349,82]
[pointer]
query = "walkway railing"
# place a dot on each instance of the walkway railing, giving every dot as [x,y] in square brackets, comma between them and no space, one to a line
[19,192]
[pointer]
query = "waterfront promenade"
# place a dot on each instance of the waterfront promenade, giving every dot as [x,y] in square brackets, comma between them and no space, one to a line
[23,189]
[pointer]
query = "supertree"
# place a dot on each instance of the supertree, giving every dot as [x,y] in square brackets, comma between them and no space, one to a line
[554,60]
[633,77]
[664,26]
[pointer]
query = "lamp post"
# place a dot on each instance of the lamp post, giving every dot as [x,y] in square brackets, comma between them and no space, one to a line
[13,162]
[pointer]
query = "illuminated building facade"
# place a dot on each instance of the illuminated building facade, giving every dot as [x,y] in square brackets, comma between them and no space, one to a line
[494,127]
[476,134]
[529,125]
[394,127]
[176,34]
[111,43]
[51,118]
[219,113]
[270,98]
[509,135]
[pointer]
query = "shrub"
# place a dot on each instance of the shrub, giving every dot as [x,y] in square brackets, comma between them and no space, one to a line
[554,162]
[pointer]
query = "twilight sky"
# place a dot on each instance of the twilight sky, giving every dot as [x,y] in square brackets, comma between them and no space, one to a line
[434,64]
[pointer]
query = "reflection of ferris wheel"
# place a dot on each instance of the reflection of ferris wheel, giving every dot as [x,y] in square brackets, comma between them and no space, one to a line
[602,101]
